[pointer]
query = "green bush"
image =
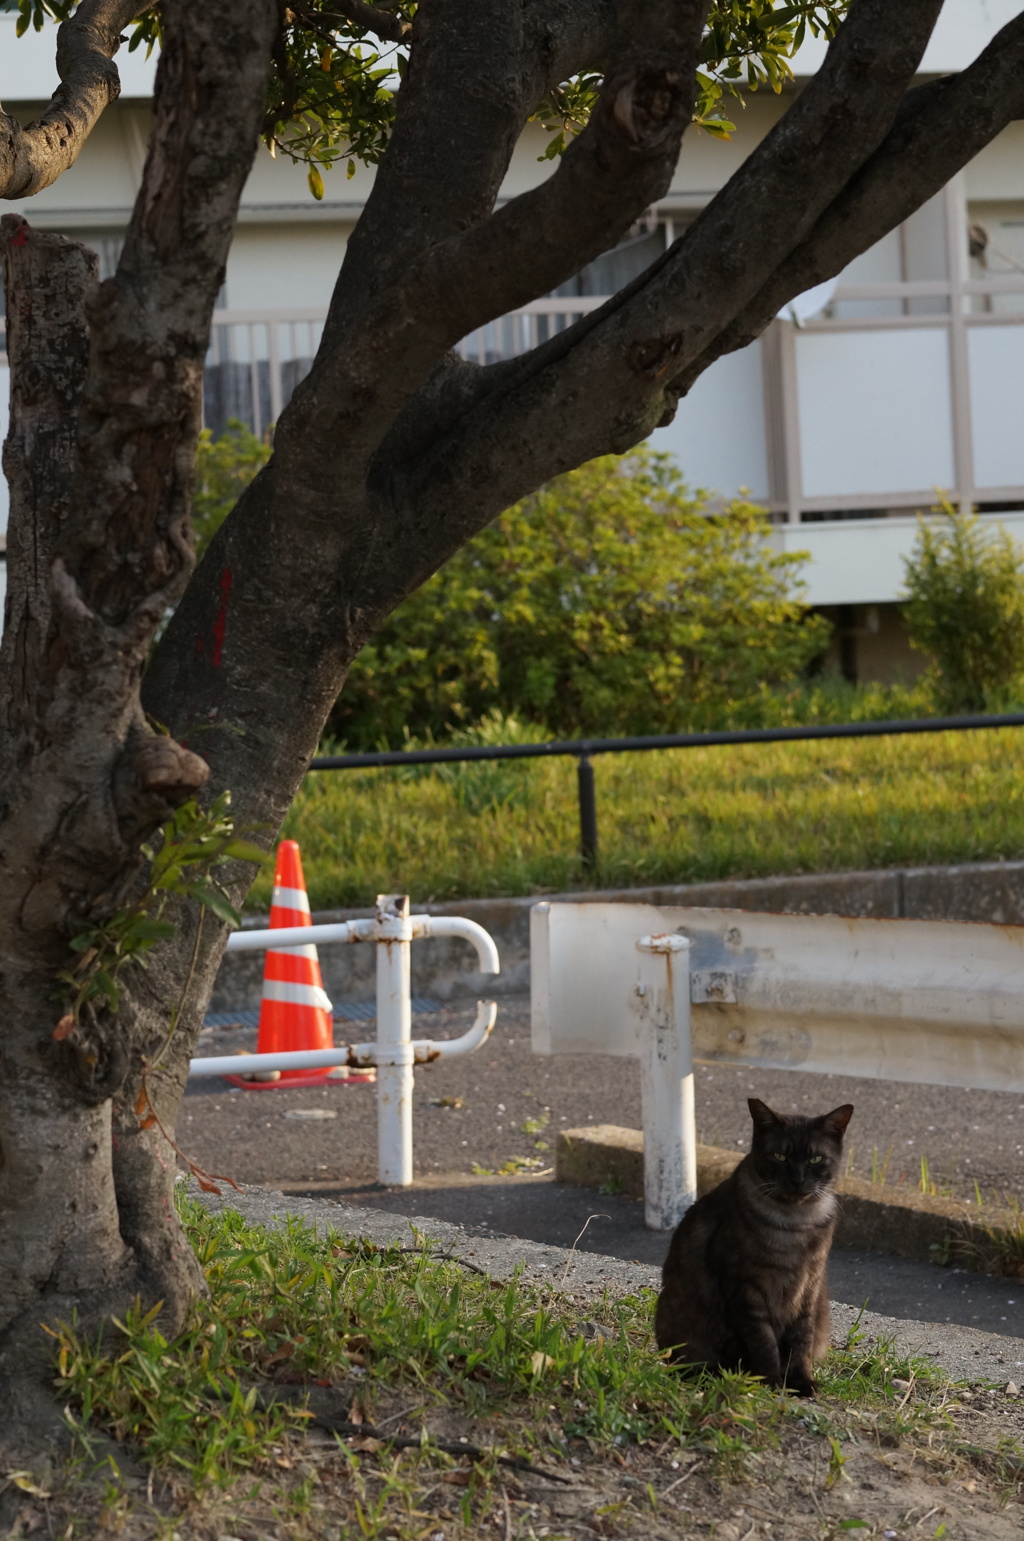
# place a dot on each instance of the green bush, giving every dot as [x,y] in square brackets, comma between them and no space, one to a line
[965,610]
[224,468]
[608,602]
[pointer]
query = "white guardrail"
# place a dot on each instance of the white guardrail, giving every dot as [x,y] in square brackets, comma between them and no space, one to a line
[395,1051]
[933,1002]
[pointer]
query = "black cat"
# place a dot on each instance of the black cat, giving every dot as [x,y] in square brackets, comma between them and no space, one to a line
[744,1285]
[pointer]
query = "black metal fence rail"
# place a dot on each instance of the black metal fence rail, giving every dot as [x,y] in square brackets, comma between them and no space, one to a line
[582,749]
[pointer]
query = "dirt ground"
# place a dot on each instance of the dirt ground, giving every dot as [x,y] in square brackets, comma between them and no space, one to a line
[961,1485]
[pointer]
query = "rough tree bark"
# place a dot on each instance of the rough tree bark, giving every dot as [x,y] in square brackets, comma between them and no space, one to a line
[391,454]
[105,412]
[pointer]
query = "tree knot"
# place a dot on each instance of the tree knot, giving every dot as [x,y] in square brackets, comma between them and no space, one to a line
[651,106]
[152,777]
[656,355]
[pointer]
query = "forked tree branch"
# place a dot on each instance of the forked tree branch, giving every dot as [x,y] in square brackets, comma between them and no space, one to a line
[617,362]
[621,163]
[382,342]
[477,69]
[940,127]
[33,157]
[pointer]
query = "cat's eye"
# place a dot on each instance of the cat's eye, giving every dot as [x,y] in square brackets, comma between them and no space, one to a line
[778,1155]
[814,1160]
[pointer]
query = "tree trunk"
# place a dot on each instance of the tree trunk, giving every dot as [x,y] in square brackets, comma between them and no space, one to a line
[105,411]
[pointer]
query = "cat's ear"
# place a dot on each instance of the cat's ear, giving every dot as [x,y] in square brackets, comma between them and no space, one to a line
[836,1121]
[762,1114]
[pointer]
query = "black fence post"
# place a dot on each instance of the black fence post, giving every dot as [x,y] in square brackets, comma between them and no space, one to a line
[588,812]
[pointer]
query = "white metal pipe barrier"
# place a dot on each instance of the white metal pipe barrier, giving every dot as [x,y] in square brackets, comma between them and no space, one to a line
[931,1002]
[395,1051]
[662,1008]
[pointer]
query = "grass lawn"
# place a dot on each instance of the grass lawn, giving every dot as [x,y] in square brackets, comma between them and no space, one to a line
[670,816]
[330,1389]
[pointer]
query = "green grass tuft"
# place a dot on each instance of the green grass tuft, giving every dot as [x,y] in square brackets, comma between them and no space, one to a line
[291,1308]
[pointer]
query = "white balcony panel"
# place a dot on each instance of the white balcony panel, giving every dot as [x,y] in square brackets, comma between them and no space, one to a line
[860,561]
[875,412]
[718,435]
[996,361]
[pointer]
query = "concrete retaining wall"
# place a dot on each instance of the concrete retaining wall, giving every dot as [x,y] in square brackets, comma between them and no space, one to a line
[978,891]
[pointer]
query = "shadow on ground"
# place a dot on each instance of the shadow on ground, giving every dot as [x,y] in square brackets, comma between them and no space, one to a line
[539,1209]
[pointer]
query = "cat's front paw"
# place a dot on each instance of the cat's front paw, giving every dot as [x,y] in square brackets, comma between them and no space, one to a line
[803,1385]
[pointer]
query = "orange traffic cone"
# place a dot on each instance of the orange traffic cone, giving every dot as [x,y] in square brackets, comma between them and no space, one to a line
[295,1012]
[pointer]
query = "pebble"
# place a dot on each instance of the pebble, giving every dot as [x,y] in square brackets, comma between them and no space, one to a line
[1011,1389]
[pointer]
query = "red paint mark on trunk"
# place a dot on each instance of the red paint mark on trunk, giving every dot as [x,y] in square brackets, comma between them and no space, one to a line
[220,624]
[21,237]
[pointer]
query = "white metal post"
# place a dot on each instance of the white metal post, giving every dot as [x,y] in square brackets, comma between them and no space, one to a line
[666,1079]
[395,1051]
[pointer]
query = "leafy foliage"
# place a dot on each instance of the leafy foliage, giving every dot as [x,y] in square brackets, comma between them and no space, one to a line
[36,13]
[192,844]
[966,610]
[610,601]
[332,92]
[745,42]
[224,467]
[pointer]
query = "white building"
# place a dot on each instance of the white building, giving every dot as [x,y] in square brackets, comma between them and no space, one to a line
[910,379]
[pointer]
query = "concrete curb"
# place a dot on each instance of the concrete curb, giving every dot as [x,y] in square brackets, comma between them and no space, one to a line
[872,1216]
[978,891]
[585,1277]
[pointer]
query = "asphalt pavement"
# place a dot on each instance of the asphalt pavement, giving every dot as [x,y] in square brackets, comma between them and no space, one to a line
[502,1107]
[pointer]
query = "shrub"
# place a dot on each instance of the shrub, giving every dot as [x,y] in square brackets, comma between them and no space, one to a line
[224,468]
[608,602]
[965,610]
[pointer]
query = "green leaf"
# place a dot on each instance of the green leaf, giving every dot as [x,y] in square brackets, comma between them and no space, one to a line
[83,941]
[104,983]
[244,850]
[149,932]
[215,901]
[316,182]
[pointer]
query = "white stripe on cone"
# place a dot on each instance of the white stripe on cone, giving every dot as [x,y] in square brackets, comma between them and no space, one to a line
[290,899]
[296,994]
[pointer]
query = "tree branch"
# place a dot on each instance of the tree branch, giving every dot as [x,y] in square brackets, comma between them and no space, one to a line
[354,545]
[391,28]
[459,113]
[477,69]
[621,164]
[32,158]
[139,424]
[616,364]
[940,127]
